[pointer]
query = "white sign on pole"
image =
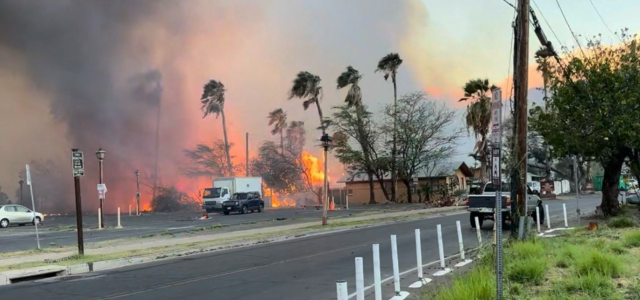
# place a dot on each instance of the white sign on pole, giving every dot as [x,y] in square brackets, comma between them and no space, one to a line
[102,190]
[495,170]
[28,175]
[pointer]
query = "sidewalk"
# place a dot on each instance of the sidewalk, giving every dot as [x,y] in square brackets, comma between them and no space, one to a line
[227,238]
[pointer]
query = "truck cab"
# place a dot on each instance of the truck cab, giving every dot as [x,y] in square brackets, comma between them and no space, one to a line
[213,198]
[483,205]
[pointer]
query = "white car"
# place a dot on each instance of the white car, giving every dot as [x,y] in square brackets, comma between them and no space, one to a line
[18,214]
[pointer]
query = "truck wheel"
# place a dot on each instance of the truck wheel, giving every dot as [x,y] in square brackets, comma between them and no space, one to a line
[226,212]
[208,210]
[472,220]
[245,209]
[260,208]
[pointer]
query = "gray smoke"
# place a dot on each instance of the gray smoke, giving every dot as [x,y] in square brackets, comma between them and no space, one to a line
[73,51]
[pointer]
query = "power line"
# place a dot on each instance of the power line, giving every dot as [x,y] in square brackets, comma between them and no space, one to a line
[571,30]
[548,25]
[602,19]
[507,2]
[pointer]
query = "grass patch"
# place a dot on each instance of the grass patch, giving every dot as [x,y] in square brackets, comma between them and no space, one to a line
[597,262]
[632,239]
[528,270]
[621,222]
[576,265]
[473,285]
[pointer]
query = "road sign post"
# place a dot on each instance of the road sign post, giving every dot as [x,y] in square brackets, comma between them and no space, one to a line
[496,173]
[77,164]
[33,205]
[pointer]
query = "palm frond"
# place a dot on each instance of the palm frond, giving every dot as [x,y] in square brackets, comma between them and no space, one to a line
[212,98]
[389,64]
[304,85]
[351,77]
[308,103]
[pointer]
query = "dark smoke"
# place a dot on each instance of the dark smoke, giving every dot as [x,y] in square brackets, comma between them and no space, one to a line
[74,52]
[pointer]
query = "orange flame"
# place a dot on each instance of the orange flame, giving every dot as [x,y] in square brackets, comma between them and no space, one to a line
[313,168]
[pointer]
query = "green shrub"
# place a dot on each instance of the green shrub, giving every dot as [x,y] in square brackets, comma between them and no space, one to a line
[478,284]
[528,270]
[600,263]
[566,255]
[621,222]
[632,239]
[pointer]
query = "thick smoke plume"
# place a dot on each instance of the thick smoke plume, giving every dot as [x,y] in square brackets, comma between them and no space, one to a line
[97,74]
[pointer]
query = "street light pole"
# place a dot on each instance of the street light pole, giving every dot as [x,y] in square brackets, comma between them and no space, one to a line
[100,154]
[137,192]
[326,141]
[21,182]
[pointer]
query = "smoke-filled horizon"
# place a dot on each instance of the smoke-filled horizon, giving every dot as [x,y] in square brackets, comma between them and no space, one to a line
[97,74]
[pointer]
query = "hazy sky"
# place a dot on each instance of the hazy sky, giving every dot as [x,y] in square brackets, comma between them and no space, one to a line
[67,67]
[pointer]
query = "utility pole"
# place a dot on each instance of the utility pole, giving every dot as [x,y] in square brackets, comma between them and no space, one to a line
[137,192]
[521,75]
[77,163]
[247,156]
[21,182]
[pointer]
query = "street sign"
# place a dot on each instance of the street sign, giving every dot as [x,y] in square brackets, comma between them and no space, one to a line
[77,162]
[496,116]
[28,175]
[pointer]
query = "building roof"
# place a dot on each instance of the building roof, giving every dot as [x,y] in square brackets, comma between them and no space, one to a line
[444,169]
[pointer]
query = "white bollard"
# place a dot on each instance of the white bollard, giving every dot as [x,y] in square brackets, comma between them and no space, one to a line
[546,211]
[377,281]
[341,288]
[119,226]
[359,279]
[564,209]
[460,242]
[419,255]
[478,231]
[396,271]
[538,218]
[440,246]
[99,219]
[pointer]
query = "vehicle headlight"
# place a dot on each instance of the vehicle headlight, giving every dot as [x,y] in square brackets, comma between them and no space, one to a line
[237,203]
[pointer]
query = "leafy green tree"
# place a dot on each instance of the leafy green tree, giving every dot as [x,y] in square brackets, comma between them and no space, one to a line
[389,65]
[278,118]
[213,102]
[209,161]
[478,117]
[593,111]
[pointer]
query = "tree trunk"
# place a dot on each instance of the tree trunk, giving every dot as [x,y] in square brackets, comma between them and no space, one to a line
[372,195]
[281,143]
[382,187]
[394,146]
[610,205]
[483,167]
[226,144]
[407,183]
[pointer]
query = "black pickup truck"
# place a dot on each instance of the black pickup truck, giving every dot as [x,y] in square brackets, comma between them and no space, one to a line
[483,205]
[243,202]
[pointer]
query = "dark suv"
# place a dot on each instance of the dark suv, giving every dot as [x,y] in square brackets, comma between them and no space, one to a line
[243,203]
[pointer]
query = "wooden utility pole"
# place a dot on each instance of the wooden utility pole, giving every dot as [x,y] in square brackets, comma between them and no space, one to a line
[521,75]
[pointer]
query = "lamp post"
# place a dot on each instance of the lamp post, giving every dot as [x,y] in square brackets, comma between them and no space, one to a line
[137,192]
[326,142]
[100,154]
[21,182]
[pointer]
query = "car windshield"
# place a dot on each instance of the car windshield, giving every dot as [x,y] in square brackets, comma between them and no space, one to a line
[211,193]
[240,196]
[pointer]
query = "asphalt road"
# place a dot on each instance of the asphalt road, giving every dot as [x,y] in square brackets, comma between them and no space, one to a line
[305,268]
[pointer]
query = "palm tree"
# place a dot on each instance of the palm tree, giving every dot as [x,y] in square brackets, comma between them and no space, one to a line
[478,116]
[212,101]
[389,66]
[306,86]
[278,118]
[351,77]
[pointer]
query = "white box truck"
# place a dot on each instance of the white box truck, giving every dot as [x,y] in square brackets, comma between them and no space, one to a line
[224,188]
